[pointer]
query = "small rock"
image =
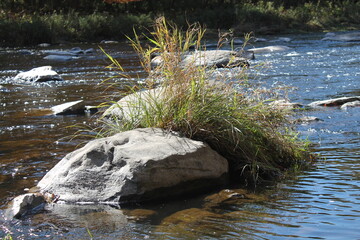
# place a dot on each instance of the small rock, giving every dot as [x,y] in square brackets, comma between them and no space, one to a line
[285,105]
[24,204]
[350,104]
[39,74]
[282,39]
[88,51]
[76,51]
[109,42]
[44,45]
[25,52]
[260,40]
[91,109]
[63,58]
[270,49]
[307,119]
[346,37]
[59,52]
[75,107]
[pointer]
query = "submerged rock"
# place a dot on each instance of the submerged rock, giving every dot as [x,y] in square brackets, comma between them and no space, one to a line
[109,42]
[98,216]
[307,120]
[25,52]
[334,102]
[24,204]
[260,40]
[39,74]
[189,216]
[346,37]
[282,39]
[138,165]
[268,49]
[44,45]
[285,105]
[232,197]
[63,58]
[74,53]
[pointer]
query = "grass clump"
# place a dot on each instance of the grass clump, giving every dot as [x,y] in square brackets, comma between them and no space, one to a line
[204,104]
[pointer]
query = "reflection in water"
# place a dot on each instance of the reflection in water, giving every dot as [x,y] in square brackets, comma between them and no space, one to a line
[321,203]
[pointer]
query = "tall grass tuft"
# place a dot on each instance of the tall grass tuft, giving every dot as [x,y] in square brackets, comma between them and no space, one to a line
[208,105]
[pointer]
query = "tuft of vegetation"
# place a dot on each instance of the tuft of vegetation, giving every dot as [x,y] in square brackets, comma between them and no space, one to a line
[7,237]
[224,110]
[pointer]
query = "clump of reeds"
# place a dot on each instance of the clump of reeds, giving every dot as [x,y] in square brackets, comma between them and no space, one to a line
[252,135]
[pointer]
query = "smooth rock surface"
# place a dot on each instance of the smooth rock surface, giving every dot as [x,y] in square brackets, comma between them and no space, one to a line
[346,37]
[24,204]
[75,107]
[214,58]
[39,74]
[350,104]
[67,55]
[210,58]
[138,165]
[63,58]
[334,102]
[268,49]
[131,106]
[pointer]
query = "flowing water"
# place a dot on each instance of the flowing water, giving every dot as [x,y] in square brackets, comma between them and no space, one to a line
[321,203]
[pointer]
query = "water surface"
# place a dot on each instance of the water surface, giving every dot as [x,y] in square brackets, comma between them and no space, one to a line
[321,203]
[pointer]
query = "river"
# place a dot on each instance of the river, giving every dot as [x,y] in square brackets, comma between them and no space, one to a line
[320,203]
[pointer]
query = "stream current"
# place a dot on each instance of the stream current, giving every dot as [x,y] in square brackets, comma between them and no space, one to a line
[321,203]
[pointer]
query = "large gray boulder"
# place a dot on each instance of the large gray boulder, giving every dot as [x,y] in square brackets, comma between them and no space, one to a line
[138,165]
[39,74]
[211,58]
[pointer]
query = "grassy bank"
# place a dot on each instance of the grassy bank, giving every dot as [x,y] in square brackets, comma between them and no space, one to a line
[237,122]
[32,29]
[262,17]
[267,17]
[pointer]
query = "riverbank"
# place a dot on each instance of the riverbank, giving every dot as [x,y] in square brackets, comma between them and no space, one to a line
[315,69]
[262,18]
